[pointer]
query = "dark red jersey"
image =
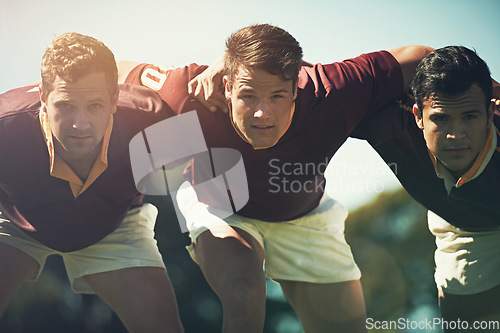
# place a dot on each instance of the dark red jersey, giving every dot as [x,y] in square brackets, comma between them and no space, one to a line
[287,180]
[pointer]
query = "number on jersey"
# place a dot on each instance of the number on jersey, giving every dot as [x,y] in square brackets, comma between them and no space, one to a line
[154,78]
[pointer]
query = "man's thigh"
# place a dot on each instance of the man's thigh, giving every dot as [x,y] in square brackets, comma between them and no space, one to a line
[327,307]
[21,259]
[227,255]
[142,297]
[232,266]
[17,267]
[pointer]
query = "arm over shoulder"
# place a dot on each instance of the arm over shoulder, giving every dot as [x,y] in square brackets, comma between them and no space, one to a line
[169,82]
[408,58]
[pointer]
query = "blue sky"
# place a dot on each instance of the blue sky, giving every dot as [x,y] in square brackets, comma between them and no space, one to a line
[184,31]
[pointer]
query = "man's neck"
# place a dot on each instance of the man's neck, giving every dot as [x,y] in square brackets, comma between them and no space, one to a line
[457,174]
[81,168]
[81,165]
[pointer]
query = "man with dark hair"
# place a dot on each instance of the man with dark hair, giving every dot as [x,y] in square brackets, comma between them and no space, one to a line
[287,122]
[244,49]
[448,158]
[66,185]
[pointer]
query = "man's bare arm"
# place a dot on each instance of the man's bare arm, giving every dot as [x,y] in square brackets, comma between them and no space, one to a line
[124,68]
[408,58]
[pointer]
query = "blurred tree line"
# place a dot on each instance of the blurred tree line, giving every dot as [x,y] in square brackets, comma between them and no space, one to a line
[389,239]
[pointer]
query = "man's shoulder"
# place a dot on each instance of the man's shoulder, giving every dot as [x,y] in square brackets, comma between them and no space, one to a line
[19,100]
[349,72]
[170,83]
[370,57]
[157,77]
[137,109]
[135,99]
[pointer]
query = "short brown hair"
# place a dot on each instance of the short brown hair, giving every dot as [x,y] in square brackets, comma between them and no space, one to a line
[71,56]
[266,47]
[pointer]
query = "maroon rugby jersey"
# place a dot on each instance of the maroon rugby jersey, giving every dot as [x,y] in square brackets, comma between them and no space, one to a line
[44,206]
[287,180]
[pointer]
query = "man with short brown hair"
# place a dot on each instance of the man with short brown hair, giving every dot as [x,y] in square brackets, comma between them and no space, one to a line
[66,186]
[283,118]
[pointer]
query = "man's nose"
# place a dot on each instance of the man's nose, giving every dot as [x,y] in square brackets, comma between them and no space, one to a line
[263,111]
[81,120]
[456,130]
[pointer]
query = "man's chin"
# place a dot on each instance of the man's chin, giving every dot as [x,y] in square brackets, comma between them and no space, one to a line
[458,169]
[262,144]
[81,152]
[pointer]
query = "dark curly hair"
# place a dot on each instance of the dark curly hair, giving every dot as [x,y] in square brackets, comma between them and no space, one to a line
[449,71]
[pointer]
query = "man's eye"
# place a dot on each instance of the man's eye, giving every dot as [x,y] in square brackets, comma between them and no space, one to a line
[96,106]
[64,107]
[277,96]
[470,117]
[439,118]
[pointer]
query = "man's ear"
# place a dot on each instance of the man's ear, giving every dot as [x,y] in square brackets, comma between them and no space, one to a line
[491,112]
[418,116]
[42,98]
[115,100]
[227,88]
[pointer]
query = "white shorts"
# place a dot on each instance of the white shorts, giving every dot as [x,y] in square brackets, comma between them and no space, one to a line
[466,262]
[132,244]
[310,249]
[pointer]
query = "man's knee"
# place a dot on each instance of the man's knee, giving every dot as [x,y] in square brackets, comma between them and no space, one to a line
[345,298]
[244,292]
[235,274]
[229,256]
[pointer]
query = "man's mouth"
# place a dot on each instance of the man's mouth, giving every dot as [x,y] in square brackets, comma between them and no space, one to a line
[262,126]
[80,137]
[456,149]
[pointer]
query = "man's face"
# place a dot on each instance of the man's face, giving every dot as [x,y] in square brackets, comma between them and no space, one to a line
[455,128]
[261,105]
[79,113]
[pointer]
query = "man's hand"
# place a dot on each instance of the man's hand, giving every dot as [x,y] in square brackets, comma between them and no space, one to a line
[208,87]
[496,90]
[496,95]
[124,68]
